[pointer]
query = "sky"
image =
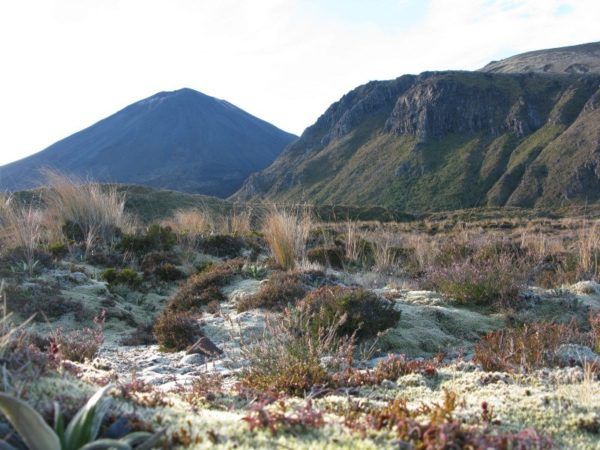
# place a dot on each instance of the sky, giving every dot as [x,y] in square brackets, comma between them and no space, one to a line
[65,64]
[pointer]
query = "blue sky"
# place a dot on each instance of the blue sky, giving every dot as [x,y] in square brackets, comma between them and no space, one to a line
[68,63]
[389,15]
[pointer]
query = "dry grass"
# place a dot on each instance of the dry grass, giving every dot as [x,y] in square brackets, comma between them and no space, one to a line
[21,227]
[588,249]
[384,252]
[352,242]
[286,233]
[94,211]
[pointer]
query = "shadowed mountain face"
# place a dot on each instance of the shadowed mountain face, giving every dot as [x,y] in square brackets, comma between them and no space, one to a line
[182,140]
[449,140]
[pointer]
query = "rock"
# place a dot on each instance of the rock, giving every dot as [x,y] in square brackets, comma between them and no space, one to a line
[573,354]
[118,429]
[388,384]
[205,346]
[193,359]
[78,277]
[585,288]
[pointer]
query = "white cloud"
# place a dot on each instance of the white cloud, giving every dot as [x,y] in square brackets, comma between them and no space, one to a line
[68,63]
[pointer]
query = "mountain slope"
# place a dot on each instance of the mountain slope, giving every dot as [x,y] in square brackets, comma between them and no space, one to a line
[447,140]
[584,58]
[182,140]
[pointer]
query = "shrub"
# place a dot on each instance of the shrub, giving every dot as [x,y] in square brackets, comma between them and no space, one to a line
[125,276]
[526,348]
[286,233]
[329,256]
[483,278]
[80,345]
[40,301]
[176,331]
[58,249]
[280,291]
[202,288]
[151,261]
[156,238]
[221,245]
[365,313]
[168,272]
[286,358]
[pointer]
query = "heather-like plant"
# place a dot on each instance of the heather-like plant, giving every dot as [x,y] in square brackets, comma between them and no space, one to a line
[79,345]
[287,356]
[280,291]
[526,348]
[483,277]
[176,331]
[366,314]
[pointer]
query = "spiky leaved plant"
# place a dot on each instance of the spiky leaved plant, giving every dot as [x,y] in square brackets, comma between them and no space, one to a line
[80,434]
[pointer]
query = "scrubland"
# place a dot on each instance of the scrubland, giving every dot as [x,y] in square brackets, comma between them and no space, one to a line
[265,327]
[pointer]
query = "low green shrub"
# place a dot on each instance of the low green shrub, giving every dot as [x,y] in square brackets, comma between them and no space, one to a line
[328,256]
[151,261]
[365,313]
[480,280]
[222,245]
[127,276]
[168,272]
[41,301]
[156,238]
[280,291]
[176,331]
[58,249]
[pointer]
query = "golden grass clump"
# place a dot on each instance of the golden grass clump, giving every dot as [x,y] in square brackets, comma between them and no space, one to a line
[286,233]
[95,211]
[20,226]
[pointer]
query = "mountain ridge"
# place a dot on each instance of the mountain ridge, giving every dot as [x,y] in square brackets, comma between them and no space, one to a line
[447,140]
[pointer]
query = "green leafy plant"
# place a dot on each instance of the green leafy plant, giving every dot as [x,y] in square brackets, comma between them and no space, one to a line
[80,434]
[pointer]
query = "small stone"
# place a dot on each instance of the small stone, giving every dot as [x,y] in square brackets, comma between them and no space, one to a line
[388,384]
[193,359]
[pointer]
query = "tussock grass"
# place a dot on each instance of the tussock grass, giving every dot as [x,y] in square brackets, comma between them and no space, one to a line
[21,227]
[91,210]
[286,233]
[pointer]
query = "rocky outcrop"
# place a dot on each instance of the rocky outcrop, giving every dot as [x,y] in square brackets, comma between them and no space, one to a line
[444,140]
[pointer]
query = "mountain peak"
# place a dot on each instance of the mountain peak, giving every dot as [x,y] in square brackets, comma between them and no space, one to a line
[181,140]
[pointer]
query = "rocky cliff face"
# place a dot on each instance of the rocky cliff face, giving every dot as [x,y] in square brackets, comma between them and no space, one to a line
[446,140]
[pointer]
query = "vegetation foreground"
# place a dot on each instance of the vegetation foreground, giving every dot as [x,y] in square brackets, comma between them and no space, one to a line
[272,330]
